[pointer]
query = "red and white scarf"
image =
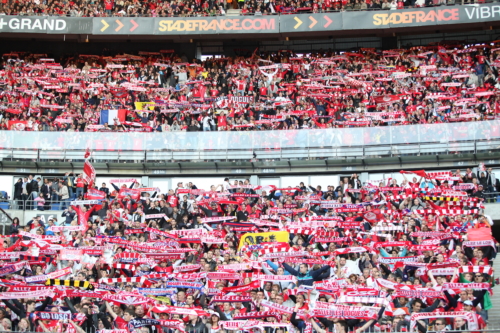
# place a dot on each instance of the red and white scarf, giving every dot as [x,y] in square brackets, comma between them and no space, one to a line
[277,307]
[475,269]
[469,316]
[27,294]
[480,244]
[230,299]
[138,279]
[484,286]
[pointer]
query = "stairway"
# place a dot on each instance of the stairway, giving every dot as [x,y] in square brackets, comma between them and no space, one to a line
[494,313]
[233,12]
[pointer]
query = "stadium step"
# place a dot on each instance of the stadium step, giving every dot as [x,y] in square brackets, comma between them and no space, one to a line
[493,314]
[233,12]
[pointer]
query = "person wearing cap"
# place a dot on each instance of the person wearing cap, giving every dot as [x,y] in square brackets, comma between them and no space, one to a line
[214,322]
[470,306]
[479,193]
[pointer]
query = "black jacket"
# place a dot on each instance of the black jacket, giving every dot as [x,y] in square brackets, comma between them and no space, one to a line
[18,189]
[242,215]
[69,216]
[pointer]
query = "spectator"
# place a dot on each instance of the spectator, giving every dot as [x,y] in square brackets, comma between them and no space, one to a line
[40,202]
[204,258]
[64,195]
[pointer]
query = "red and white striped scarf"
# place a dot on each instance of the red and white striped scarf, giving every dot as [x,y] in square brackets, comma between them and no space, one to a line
[388,228]
[363,299]
[465,203]
[301,231]
[469,316]
[124,266]
[138,279]
[476,269]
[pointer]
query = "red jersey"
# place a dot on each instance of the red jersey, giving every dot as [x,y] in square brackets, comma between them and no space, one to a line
[173,200]
[241,84]
[121,324]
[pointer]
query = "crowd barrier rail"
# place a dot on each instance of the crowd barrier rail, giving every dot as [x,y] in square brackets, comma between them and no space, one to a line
[445,139]
[403,135]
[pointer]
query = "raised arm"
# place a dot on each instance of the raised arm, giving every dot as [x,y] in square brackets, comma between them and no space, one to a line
[316,326]
[110,310]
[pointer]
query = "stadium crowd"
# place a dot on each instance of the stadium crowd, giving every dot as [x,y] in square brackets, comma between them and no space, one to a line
[350,257]
[162,91]
[157,8]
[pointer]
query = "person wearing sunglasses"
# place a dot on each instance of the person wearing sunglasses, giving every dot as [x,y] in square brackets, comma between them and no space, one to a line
[440,325]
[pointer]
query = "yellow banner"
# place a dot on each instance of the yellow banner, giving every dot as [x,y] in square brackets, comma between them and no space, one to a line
[141,105]
[251,238]
[161,299]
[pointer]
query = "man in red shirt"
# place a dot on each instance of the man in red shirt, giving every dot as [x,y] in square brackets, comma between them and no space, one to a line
[80,184]
[109,6]
[122,323]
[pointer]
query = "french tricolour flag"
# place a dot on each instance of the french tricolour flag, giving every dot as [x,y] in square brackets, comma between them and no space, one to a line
[109,116]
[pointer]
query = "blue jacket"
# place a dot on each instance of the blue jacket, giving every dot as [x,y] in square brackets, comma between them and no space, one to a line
[308,278]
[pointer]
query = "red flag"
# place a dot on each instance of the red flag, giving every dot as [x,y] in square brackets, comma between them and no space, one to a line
[14,111]
[88,173]
[420,173]
[93,194]
[87,153]
[17,125]
[479,234]
[132,192]
[373,216]
[387,99]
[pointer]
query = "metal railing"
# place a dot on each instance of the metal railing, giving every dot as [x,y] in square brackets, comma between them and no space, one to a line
[19,204]
[321,144]
[26,205]
[252,154]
